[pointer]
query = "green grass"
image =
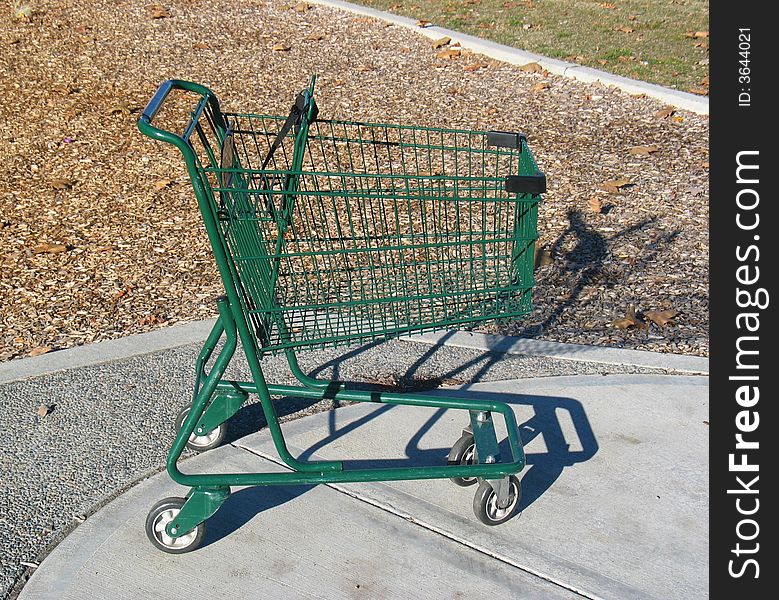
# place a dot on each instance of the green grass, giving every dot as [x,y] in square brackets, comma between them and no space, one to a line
[588,32]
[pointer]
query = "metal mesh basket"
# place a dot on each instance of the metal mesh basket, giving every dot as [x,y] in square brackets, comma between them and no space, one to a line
[339,230]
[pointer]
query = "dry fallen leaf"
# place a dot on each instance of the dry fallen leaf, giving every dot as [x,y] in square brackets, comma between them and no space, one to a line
[625,29]
[665,112]
[163,183]
[661,317]
[541,85]
[449,53]
[315,37]
[475,67]
[543,257]
[281,47]
[158,11]
[440,43]
[623,323]
[301,7]
[701,91]
[643,150]
[61,184]
[607,5]
[614,186]
[49,249]
[595,205]
[531,67]
[201,46]
[423,23]
[120,107]
[697,34]
[39,350]
[630,320]
[44,409]
[121,293]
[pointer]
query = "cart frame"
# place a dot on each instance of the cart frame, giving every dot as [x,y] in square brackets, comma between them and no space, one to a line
[216,399]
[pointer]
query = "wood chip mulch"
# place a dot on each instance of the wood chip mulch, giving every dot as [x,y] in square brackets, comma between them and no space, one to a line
[101,237]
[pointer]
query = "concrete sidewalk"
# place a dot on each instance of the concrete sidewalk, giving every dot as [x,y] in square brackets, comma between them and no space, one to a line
[615,505]
[515,56]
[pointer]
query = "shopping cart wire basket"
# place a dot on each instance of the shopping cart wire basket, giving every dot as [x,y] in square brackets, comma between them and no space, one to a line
[328,232]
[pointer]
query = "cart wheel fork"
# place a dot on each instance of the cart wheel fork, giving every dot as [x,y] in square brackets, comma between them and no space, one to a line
[200,505]
[502,488]
[483,430]
[223,406]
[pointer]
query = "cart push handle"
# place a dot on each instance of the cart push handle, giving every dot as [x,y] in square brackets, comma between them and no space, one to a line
[154,105]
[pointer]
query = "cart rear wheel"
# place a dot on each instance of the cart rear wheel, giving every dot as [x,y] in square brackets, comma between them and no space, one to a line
[485,502]
[163,513]
[207,441]
[463,452]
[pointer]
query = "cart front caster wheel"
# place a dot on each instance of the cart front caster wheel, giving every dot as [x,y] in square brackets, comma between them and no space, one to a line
[207,441]
[163,513]
[485,502]
[463,452]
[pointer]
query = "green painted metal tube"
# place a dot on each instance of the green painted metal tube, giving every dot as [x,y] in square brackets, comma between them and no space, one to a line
[337,392]
[205,355]
[310,382]
[491,471]
[417,400]
[209,385]
[237,318]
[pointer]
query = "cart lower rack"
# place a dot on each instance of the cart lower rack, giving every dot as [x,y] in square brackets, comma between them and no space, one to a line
[329,232]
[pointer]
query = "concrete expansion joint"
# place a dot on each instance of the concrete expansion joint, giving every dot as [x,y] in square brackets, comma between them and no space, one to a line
[390,509]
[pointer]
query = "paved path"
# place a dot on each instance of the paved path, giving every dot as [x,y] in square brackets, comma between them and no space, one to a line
[112,405]
[615,501]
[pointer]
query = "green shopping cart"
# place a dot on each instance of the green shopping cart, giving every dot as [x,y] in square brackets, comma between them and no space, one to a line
[328,232]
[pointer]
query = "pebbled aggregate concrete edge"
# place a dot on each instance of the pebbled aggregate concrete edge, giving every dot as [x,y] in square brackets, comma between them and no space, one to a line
[183,334]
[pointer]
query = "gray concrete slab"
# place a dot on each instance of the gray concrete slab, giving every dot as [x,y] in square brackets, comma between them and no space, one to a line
[183,334]
[290,542]
[615,492]
[615,506]
[119,416]
[504,344]
[106,351]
